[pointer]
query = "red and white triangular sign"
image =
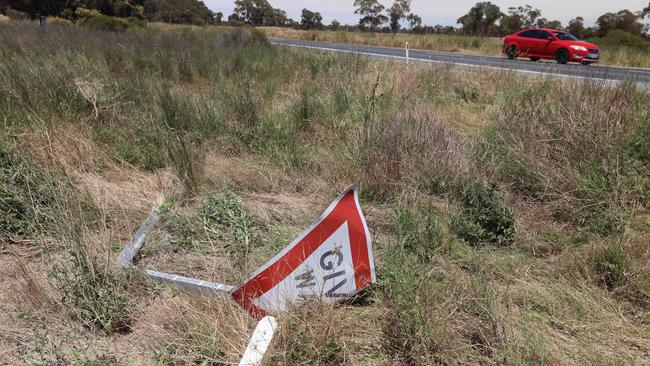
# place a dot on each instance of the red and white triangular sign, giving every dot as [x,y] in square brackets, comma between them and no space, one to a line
[331,260]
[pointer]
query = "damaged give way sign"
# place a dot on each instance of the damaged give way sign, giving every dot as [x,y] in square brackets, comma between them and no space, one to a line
[329,261]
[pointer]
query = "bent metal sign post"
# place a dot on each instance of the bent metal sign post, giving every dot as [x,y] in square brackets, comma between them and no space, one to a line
[330,261]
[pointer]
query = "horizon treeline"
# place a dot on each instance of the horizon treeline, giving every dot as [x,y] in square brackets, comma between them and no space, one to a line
[169,11]
[483,19]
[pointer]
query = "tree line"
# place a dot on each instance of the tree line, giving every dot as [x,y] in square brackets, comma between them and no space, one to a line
[261,13]
[170,11]
[486,19]
[483,19]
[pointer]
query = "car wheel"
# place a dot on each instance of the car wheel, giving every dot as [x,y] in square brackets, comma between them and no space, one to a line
[534,58]
[562,56]
[512,52]
[586,63]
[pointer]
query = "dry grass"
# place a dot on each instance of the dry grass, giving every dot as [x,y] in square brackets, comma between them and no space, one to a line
[279,134]
[625,56]
[326,335]
[488,46]
[188,330]
[441,43]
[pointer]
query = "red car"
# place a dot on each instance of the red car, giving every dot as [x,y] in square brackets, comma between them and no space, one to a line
[550,44]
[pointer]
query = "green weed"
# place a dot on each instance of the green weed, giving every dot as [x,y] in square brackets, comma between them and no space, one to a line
[223,217]
[611,265]
[183,153]
[183,230]
[305,110]
[94,291]
[484,218]
[572,157]
[25,196]
[418,231]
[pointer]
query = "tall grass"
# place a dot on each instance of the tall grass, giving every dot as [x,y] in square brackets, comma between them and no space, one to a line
[25,198]
[620,48]
[573,151]
[623,48]
[433,42]
[466,176]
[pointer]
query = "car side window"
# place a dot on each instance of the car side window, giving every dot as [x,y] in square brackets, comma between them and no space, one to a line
[528,34]
[543,34]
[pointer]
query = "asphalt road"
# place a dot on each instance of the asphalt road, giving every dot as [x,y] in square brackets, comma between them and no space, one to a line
[596,72]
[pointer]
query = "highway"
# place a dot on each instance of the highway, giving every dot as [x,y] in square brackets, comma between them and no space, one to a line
[593,72]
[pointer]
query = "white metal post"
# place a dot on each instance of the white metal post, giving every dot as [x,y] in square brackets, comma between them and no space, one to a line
[407,53]
[259,342]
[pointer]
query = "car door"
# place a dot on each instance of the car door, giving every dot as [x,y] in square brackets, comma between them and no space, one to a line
[543,45]
[527,42]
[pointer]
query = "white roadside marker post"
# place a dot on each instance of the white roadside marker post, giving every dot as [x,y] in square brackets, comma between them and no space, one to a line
[259,343]
[407,53]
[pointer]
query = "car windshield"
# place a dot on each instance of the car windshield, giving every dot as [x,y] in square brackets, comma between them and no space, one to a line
[565,36]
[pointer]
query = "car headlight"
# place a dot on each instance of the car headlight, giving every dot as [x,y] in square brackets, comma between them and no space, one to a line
[579,48]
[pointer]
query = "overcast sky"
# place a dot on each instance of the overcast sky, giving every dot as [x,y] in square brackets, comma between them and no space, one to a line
[446,12]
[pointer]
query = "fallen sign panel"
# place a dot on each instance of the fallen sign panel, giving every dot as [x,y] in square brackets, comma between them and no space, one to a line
[330,261]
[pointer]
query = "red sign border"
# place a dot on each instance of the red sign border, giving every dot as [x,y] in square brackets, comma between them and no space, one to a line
[292,256]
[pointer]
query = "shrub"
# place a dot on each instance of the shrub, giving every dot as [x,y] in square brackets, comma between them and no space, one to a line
[86,13]
[418,231]
[611,265]
[135,22]
[619,38]
[107,23]
[242,37]
[59,21]
[485,218]
[17,15]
